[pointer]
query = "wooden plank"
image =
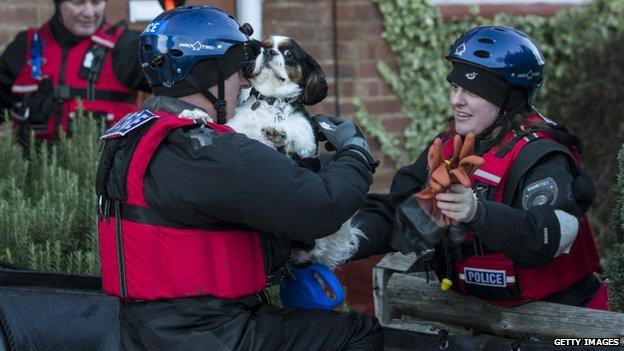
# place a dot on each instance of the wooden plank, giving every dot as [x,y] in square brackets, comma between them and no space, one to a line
[413,296]
[426,327]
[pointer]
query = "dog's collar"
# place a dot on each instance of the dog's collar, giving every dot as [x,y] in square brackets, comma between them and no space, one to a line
[272,100]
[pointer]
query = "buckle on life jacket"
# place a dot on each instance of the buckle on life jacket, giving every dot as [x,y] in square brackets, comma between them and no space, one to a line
[62,92]
[104,206]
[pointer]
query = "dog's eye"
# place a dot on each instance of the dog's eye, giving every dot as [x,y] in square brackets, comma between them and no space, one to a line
[288,54]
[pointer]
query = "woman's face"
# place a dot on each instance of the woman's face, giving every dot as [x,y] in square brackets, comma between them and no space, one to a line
[471,112]
[82,18]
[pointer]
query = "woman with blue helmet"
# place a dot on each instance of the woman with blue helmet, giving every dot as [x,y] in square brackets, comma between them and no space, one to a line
[523,232]
[196,219]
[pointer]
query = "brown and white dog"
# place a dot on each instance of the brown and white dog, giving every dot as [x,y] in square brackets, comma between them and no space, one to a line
[285,78]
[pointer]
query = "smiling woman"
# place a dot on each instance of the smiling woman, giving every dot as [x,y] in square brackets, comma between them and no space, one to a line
[518,228]
[82,17]
[472,113]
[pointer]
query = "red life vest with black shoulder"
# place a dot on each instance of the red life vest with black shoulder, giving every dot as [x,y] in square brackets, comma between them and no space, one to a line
[45,89]
[146,257]
[494,276]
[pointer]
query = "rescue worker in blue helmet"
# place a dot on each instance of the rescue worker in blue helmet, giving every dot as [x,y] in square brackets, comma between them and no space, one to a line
[197,220]
[521,233]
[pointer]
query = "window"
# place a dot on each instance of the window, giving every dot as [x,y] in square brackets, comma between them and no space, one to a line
[143,10]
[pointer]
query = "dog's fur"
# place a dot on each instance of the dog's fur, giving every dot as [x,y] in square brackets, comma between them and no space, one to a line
[285,78]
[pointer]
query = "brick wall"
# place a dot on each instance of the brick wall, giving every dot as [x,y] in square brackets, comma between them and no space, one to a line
[310,23]
[359,48]
[17,15]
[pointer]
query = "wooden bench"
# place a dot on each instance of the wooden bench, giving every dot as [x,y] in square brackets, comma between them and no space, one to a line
[405,300]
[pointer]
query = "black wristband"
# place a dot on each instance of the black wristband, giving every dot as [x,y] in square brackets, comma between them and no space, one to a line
[361,155]
[477,223]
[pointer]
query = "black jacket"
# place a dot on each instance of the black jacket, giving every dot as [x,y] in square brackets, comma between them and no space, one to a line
[509,226]
[197,177]
[125,56]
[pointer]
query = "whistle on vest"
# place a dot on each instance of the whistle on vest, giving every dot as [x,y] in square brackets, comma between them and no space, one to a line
[315,287]
[446,284]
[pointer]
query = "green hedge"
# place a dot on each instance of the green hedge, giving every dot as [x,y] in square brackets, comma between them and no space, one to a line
[47,201]
[615,263]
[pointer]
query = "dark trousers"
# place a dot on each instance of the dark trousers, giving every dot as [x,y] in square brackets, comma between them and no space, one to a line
[207,323]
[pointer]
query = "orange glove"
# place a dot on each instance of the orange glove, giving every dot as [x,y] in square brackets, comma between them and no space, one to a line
[443,173]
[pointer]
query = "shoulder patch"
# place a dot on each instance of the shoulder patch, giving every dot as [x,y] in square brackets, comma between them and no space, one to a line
[128,123]
[541,192]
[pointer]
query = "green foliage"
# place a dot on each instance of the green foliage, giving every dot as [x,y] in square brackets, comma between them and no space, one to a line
[47,201]
[615,264]
[420,38]
[618,211]
[615,269]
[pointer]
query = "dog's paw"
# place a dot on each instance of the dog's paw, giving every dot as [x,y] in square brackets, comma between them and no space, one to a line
[196,114]
[275,136]
[335,249]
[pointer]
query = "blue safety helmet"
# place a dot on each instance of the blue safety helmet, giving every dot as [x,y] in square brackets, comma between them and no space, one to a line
[505,51]
[178,39]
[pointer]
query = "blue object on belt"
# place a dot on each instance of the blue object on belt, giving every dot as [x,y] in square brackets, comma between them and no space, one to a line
[311,288]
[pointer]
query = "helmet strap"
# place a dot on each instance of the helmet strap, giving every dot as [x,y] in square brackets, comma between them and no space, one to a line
[219,103]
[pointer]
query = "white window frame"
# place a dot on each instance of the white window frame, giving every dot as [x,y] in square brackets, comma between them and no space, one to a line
[143,10]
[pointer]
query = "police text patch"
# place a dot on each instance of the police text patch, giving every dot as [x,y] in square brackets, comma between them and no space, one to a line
[487,277]
[128,123]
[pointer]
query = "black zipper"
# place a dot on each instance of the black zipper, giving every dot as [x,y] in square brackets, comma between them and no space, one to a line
[123,289]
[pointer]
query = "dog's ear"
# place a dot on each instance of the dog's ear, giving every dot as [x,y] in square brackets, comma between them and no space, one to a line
[313,82]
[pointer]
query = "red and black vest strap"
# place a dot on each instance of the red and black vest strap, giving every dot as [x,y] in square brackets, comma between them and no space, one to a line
[147,215]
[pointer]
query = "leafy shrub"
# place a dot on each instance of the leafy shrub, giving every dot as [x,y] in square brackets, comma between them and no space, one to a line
[47,201]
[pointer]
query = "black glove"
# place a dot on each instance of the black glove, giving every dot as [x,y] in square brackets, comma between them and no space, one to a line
[343,135]
[415,231]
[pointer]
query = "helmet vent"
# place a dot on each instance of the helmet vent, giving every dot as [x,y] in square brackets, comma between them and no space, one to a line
[486,40]
[500,29]
[482,54]
[158,61]
[147,48]
[176,53]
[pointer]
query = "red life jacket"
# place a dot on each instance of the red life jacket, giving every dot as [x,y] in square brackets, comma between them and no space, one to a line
[494,276]
[145,257]
[109,98]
